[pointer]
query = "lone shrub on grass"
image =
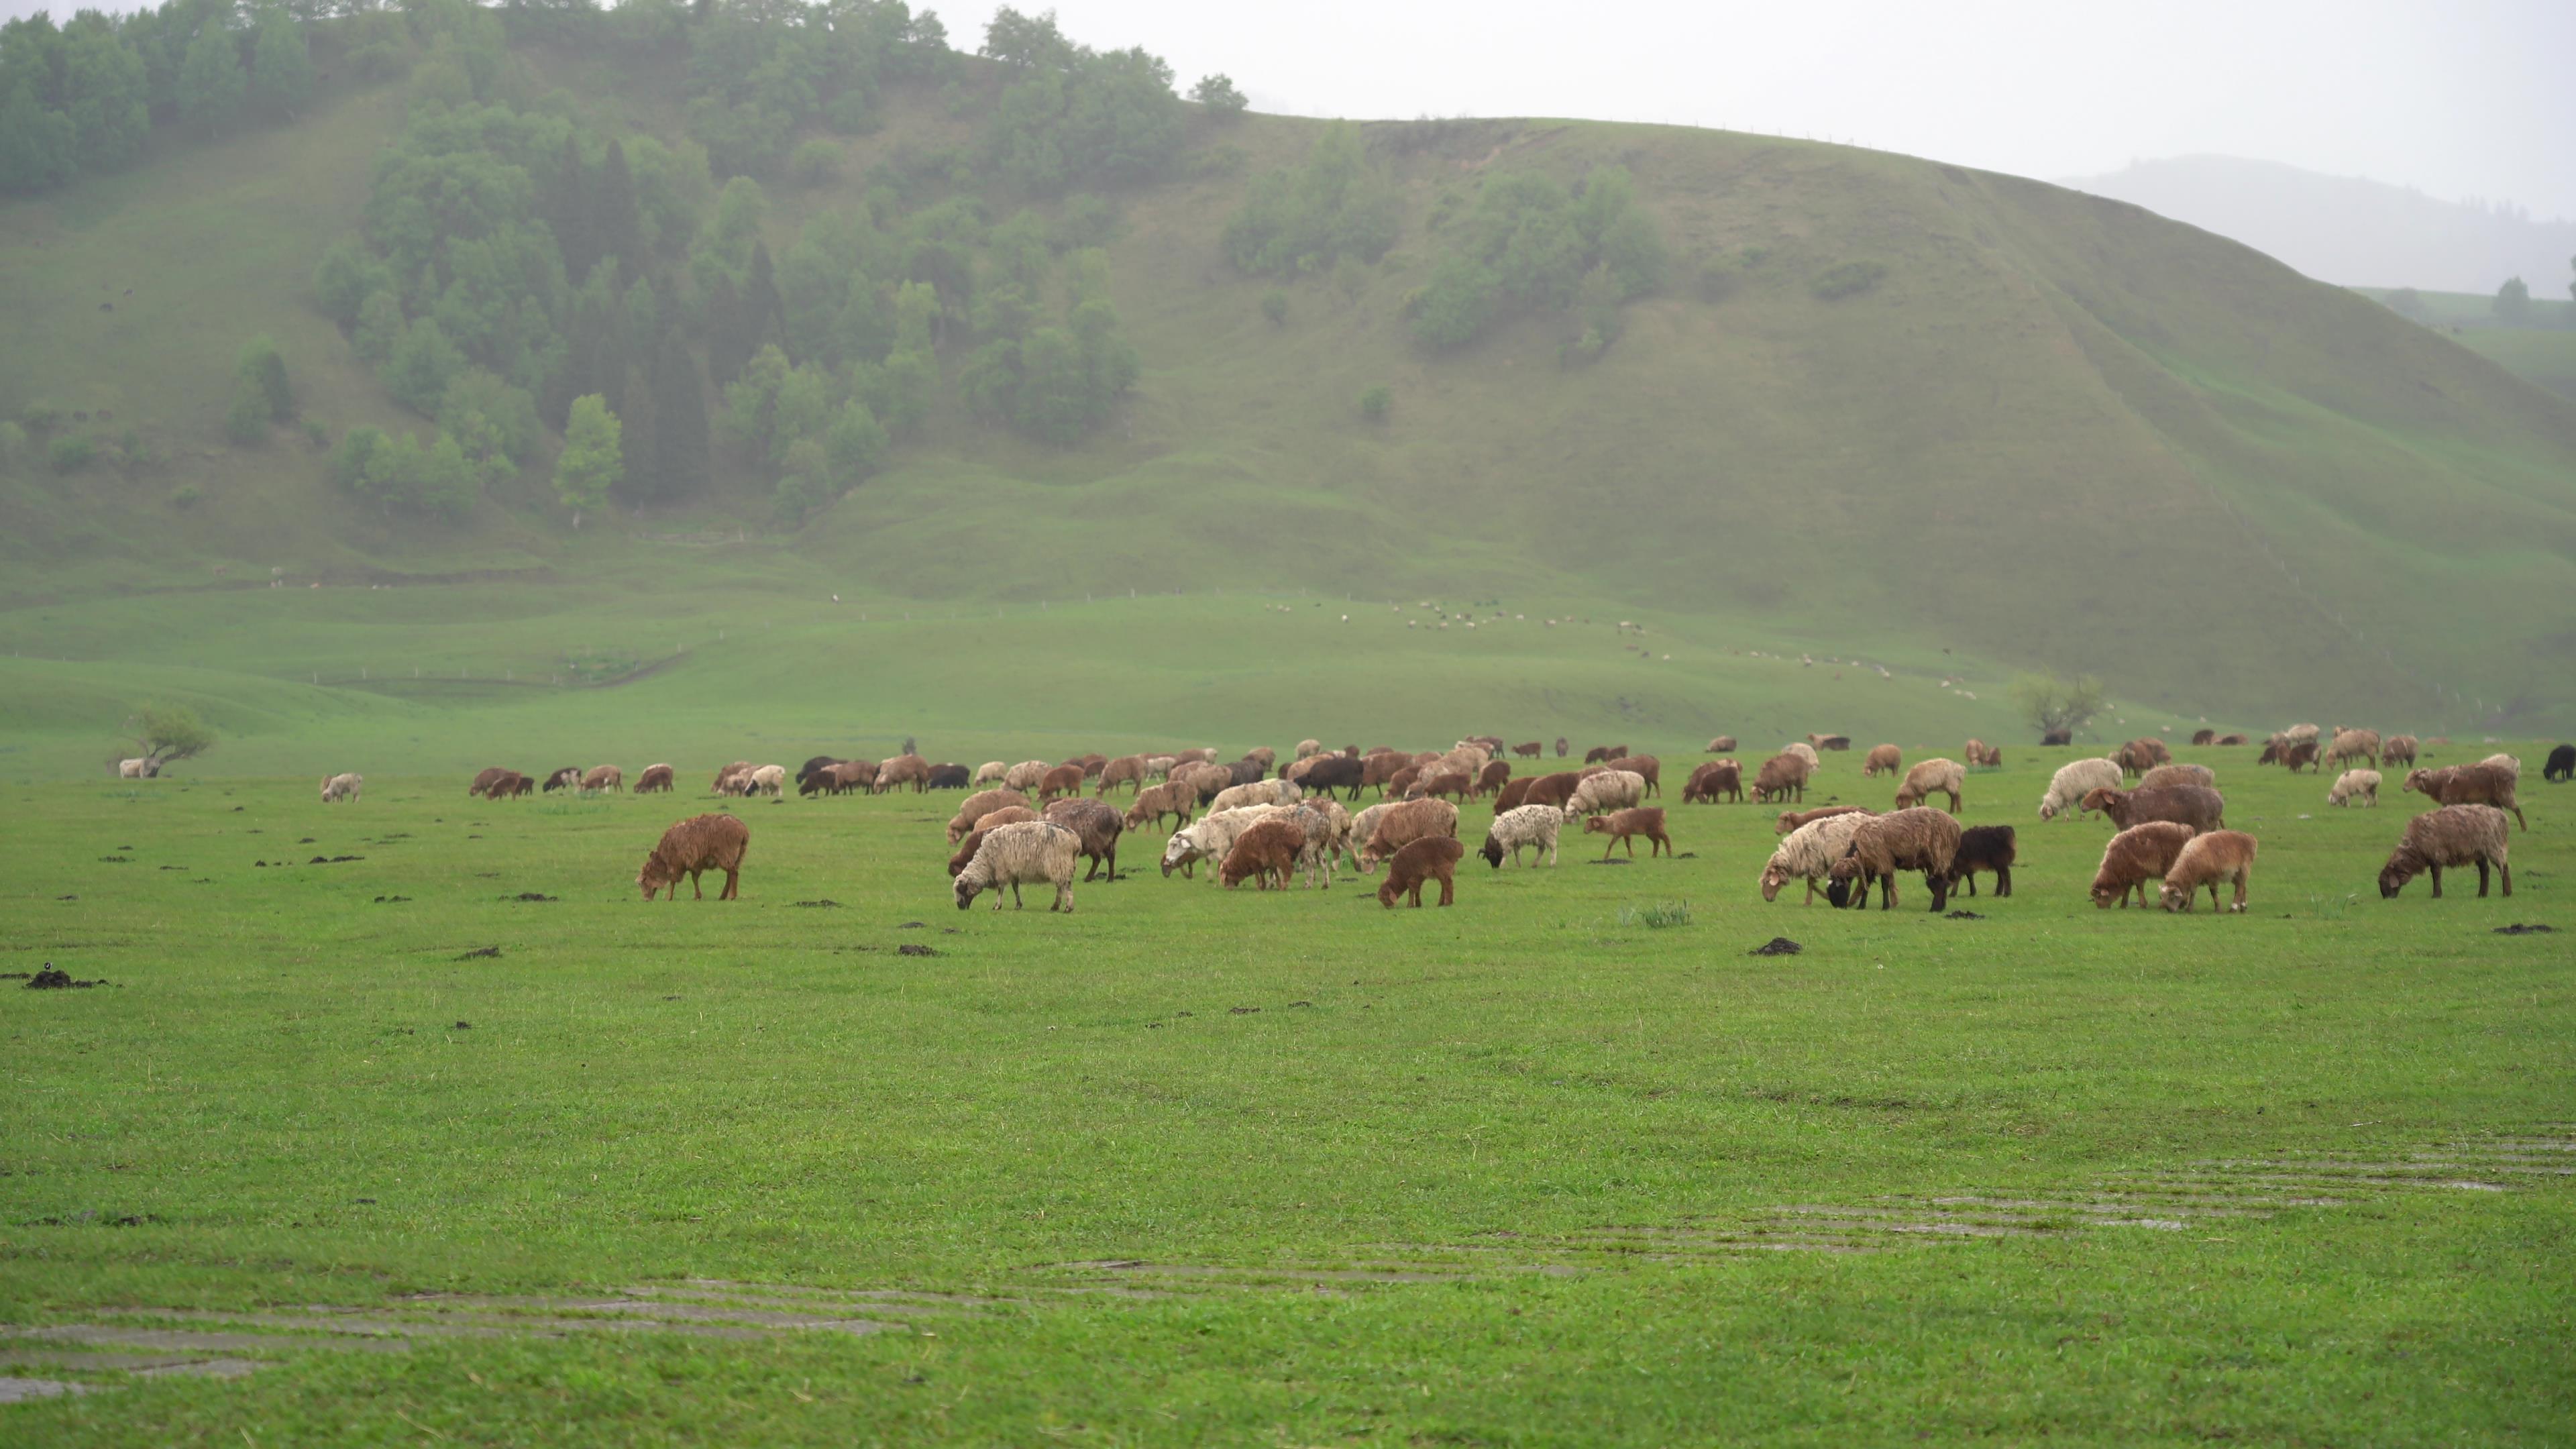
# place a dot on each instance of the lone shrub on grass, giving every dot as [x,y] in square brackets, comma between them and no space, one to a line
[1846,279]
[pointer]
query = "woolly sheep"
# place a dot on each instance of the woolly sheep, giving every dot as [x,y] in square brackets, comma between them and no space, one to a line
[1172,797]
[1159,767]
[1259,792]
[341,787]
[1433,857]
[1212,836]
[2075,780]
[1127,770]
[2480,784]
[2451,836]
[1916,838]
[2135,856]
[567,778]
[1791,820]
[1886,758]
[1026,775]
[2166,776]
[2208,859]
[1944,776]
[609,777]
[486,779]
[769,779]
[1715,778]
[2561,765]
[903,770]
[1263,755]
[1407,822]
[976,807]
[1524,826]
[146,768]
[855,775]
[1989,848]
[974,841]
[1267,852]
[2352,745]
[2506,763]
[1098,826]
[2197,806]
[1804,751]
[2351,785]
[1810,852]
[1981,755]
[1783,775]
[1646,768]
[1061,780]
[1610,790]
[1624,826]
[656,779]
[991,772]
[1553,789]
[700,843]
[1722,745]
[2397,750]
[1031,852]
[1309,747]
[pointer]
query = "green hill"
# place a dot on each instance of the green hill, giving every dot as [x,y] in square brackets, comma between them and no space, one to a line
[2035,429]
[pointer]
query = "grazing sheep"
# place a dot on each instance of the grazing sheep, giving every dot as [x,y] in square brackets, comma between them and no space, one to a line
[813,767]
[825,781]
[2057,737]
[1882,757]
[2075,780]
[1528,749]
[2204,736]
[1989,848]
[1098,826]
[2166,776]
[2479,784]
[1328,834]
[2300,734]
[511,786]
[1493,776]
[903,770]
[1792,821]
[2298,753]
[974,841]
[2232,740]
[1309,747]
[1804,751]
[1032,852]
[145,768]
[1263,754]
[1553,789]
[770,780]
[2451,836]
[1782,776]
[1159,767]
[1127,770]
[483,781]
[1203,755]
[1092,764]
[2560,768]
[1062,780]
[1418,864]
[1647,768]
[603,777]
[567,778]
[656,779]
[1326,773]
[2207,859]
[1378,769]
[1457,784]
[1405,823]
[1025,775]
[1246,770]
[342,787]
[2352,745]
[1513,794]
[1259,792]
[2351,785]
[1204,779]
[1912,839]
[1560,747]
[1523,826]
[976,807]
[2198,806]
[1810,852]
[1983,756]
[700,843]
[1712,779]
[855,775]
[1610,790]
[1212,836]
[1399,786]
[725,777]
[1830,742]
[1944,776]
[990,773]
[1722,745]
[1600,753]
[1624,826]
[2142,754]
[2135,856]
[1266,852]
[1172,797]
[2397,750]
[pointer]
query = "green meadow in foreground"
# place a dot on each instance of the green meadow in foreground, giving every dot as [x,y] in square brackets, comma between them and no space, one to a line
[1205,1166]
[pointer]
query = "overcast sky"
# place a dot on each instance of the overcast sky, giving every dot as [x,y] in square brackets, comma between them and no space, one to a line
[2459,98]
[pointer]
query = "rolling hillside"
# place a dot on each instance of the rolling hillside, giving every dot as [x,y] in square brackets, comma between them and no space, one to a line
[2058,431]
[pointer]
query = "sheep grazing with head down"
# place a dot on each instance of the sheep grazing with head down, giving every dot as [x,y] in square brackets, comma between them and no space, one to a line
[770,780]
[1025,776]
[2204,737]
[1449,784]
[1212,836]
[1127,770]
[511,786]
[2135,856]
[1721,745]
[1061,780]
[656,780]
[1097,825]
[1032,852]
[2057,737]
[1930,777]
[1259,792]
[1887,759]
[1830,742]
[974,841]
[2351,785]
[2197,806]
[1983,756]
[903,770]
[2454,835]
[2232,740]
[990,773]
[1553,789]
[1804,751]
[1715,778]
[1328,835]
[2397,750]
[2352,745]
[1782,777]
[2560,768]
[1528,749]
[341,787]
[486,779]
[2166,776]
[1917,838]
[1267,852]
[1404,824]
[1624,826]
[567,778]
[1496,772]
[1523,827]
[1418,864]
[2142,754]
[1262,755]
[1646,768]
[603,777]
[976,807]
[1172,797]
[1792,820]
[1989,848]
[1810,852]
[849,775]
[2479,784]
[700,843]
[1609,790]
[2209,859]
[1513,793]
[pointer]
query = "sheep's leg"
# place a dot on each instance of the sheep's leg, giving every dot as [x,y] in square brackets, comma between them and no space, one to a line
[1015,897]
[2437,882]
[2482,877]
[1064,897]
[694,886]
[2507,872]
[1448,889]
[2517,815]
[733,887]
[2242,878]
[2003,880]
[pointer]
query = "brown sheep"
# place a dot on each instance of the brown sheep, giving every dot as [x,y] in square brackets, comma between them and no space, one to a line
[1929,777]
[1782,776]
[1127,770]
[2198,806]
[1989,848]
[1882,757]
[1262,755]
[1399,786]
[2453,835]
[976,807]
[1715,778]
[2166,776]
[1646,766]
[1560,747]
[1202,755]
[1553,789]
[727,777]
[2135,856]
[2207,859]
[974,841]
[2397,750]
[1983,756]
[511,786]
[1623,826]
[1455,783]
[1418,864]
[1266,852]
[1065,779]
[1912,839]
[2290,754]
[1025,775]
[1528,750]
[655,778]
[1092,764]
[700,843]
[855,775]
[604,777]
[1830,742]
[1172,797]
[1493,776]
[900,771]
[1379,768]
[1600,753]
[2142,754]
[1404,824]
[484,781]
[1722,745]
[2204,737]
[2231,740]
[2351,745]
[1513,794]
[1790,820]
[1098,826]
[2479,784]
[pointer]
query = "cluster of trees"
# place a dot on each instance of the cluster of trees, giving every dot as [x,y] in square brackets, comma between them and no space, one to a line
[1074,116]
[1532,244]
[1306,219]
[757,72]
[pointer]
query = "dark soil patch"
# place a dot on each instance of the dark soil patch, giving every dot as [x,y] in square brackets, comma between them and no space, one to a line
[66,898]
[2519,929]
[1777,946]
[1609,860]
[915,948]
[13,975]
[1963,916]
[1241,1010]
[112,860]
[826,904]
[174,867]
[307,840]
[333,859]
[390,900]
[464,1026]
[484,953]
[54,978]
[909,926]
[1687,855]
[530,896]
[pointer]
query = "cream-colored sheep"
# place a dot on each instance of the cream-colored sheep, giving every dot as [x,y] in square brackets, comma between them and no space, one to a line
[1258,792]
[991,772]
[1026,775]
[2351,785]
[342,787]
[1524,826]
[2073,781]
[1810,852]
[1213,835]
[1032,852]
[1609,790]
[771,779]
[1928,777]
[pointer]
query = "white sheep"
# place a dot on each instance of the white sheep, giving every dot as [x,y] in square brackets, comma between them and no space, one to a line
[342,787]
[2351,785]
[1026,775]
[1029,852]
[770,778]
[2075,780]
[1258,792]
[1804,751]
[1809,853]
[1211,836]
[143,769]
[990,773]
[1609,790]
[1524,825]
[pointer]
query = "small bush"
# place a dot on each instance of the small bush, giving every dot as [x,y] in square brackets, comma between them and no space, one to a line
[186,495]
[1846,279]
[815,163]
[1274,305]
[73,453]
[246,422]
[317,432]
[42,417]
[1756,256]
[1375,402]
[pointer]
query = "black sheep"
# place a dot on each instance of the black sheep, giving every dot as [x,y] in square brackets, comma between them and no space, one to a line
[1984,847]
[949,777]
[2561,766]
[1247,771]
[1334,772]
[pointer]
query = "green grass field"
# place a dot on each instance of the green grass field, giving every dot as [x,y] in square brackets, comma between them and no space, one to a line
[1204,1166]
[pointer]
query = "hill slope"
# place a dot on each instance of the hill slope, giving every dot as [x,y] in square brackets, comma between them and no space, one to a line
[2058,431]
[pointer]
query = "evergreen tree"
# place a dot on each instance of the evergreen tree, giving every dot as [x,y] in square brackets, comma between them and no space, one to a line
[616,226]
[567,212]
[726,350]
[262,372]
[591,462]
[762,312]
[680,407]
[281,69]
[210,79]
[640,439]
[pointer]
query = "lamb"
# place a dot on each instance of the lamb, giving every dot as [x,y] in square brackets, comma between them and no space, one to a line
[1782,776]
[700,843]
[1715,778]
[1092,764]
[1519,827]
[1025,775]
[1406,823]
[342,787]
[2479,784]
[903,770]
[2207,859]
[2197,806]
[1792,820]
[1062,780]
[2353,745]
[604,777]
[1721,745]
[2351,785]
[483,781]
[1624,826]
[1810,852]
[1945,776]
[1213,836]
[1172,797]
[1399,786]
[2075,780]
[2453,835]
[1097,825]
[567,778]
[1882,757]
[990,773]
[1418,864]
[976,807]
[2299,752]
[1985,847]
[2397,750]
[2134,856]
[724,778]
[2560,768]
[656,779]
[1804,751]
[1031,852]
[1983,756]
[1612,790]
[1127,770]
[1268,851]
[1309,747]
[1259,792]
[1912,839]
[2166,776]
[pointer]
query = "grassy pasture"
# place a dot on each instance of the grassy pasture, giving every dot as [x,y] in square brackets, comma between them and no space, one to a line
[276,1103]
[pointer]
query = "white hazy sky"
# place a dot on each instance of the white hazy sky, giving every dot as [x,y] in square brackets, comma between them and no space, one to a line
[2458,98]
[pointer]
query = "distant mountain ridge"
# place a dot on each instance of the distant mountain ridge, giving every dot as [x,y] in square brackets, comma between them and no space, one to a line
[2348,230]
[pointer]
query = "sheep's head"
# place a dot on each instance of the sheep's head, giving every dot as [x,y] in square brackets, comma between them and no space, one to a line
[1597,825]
[2418,780]
[1773,877]
[1178,851]
[2394,876]
[965,888]
[2174,897]
[2101,798]
[2047,810]
[1842,880]
[652,878]
[2104,895]
[1493,852]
